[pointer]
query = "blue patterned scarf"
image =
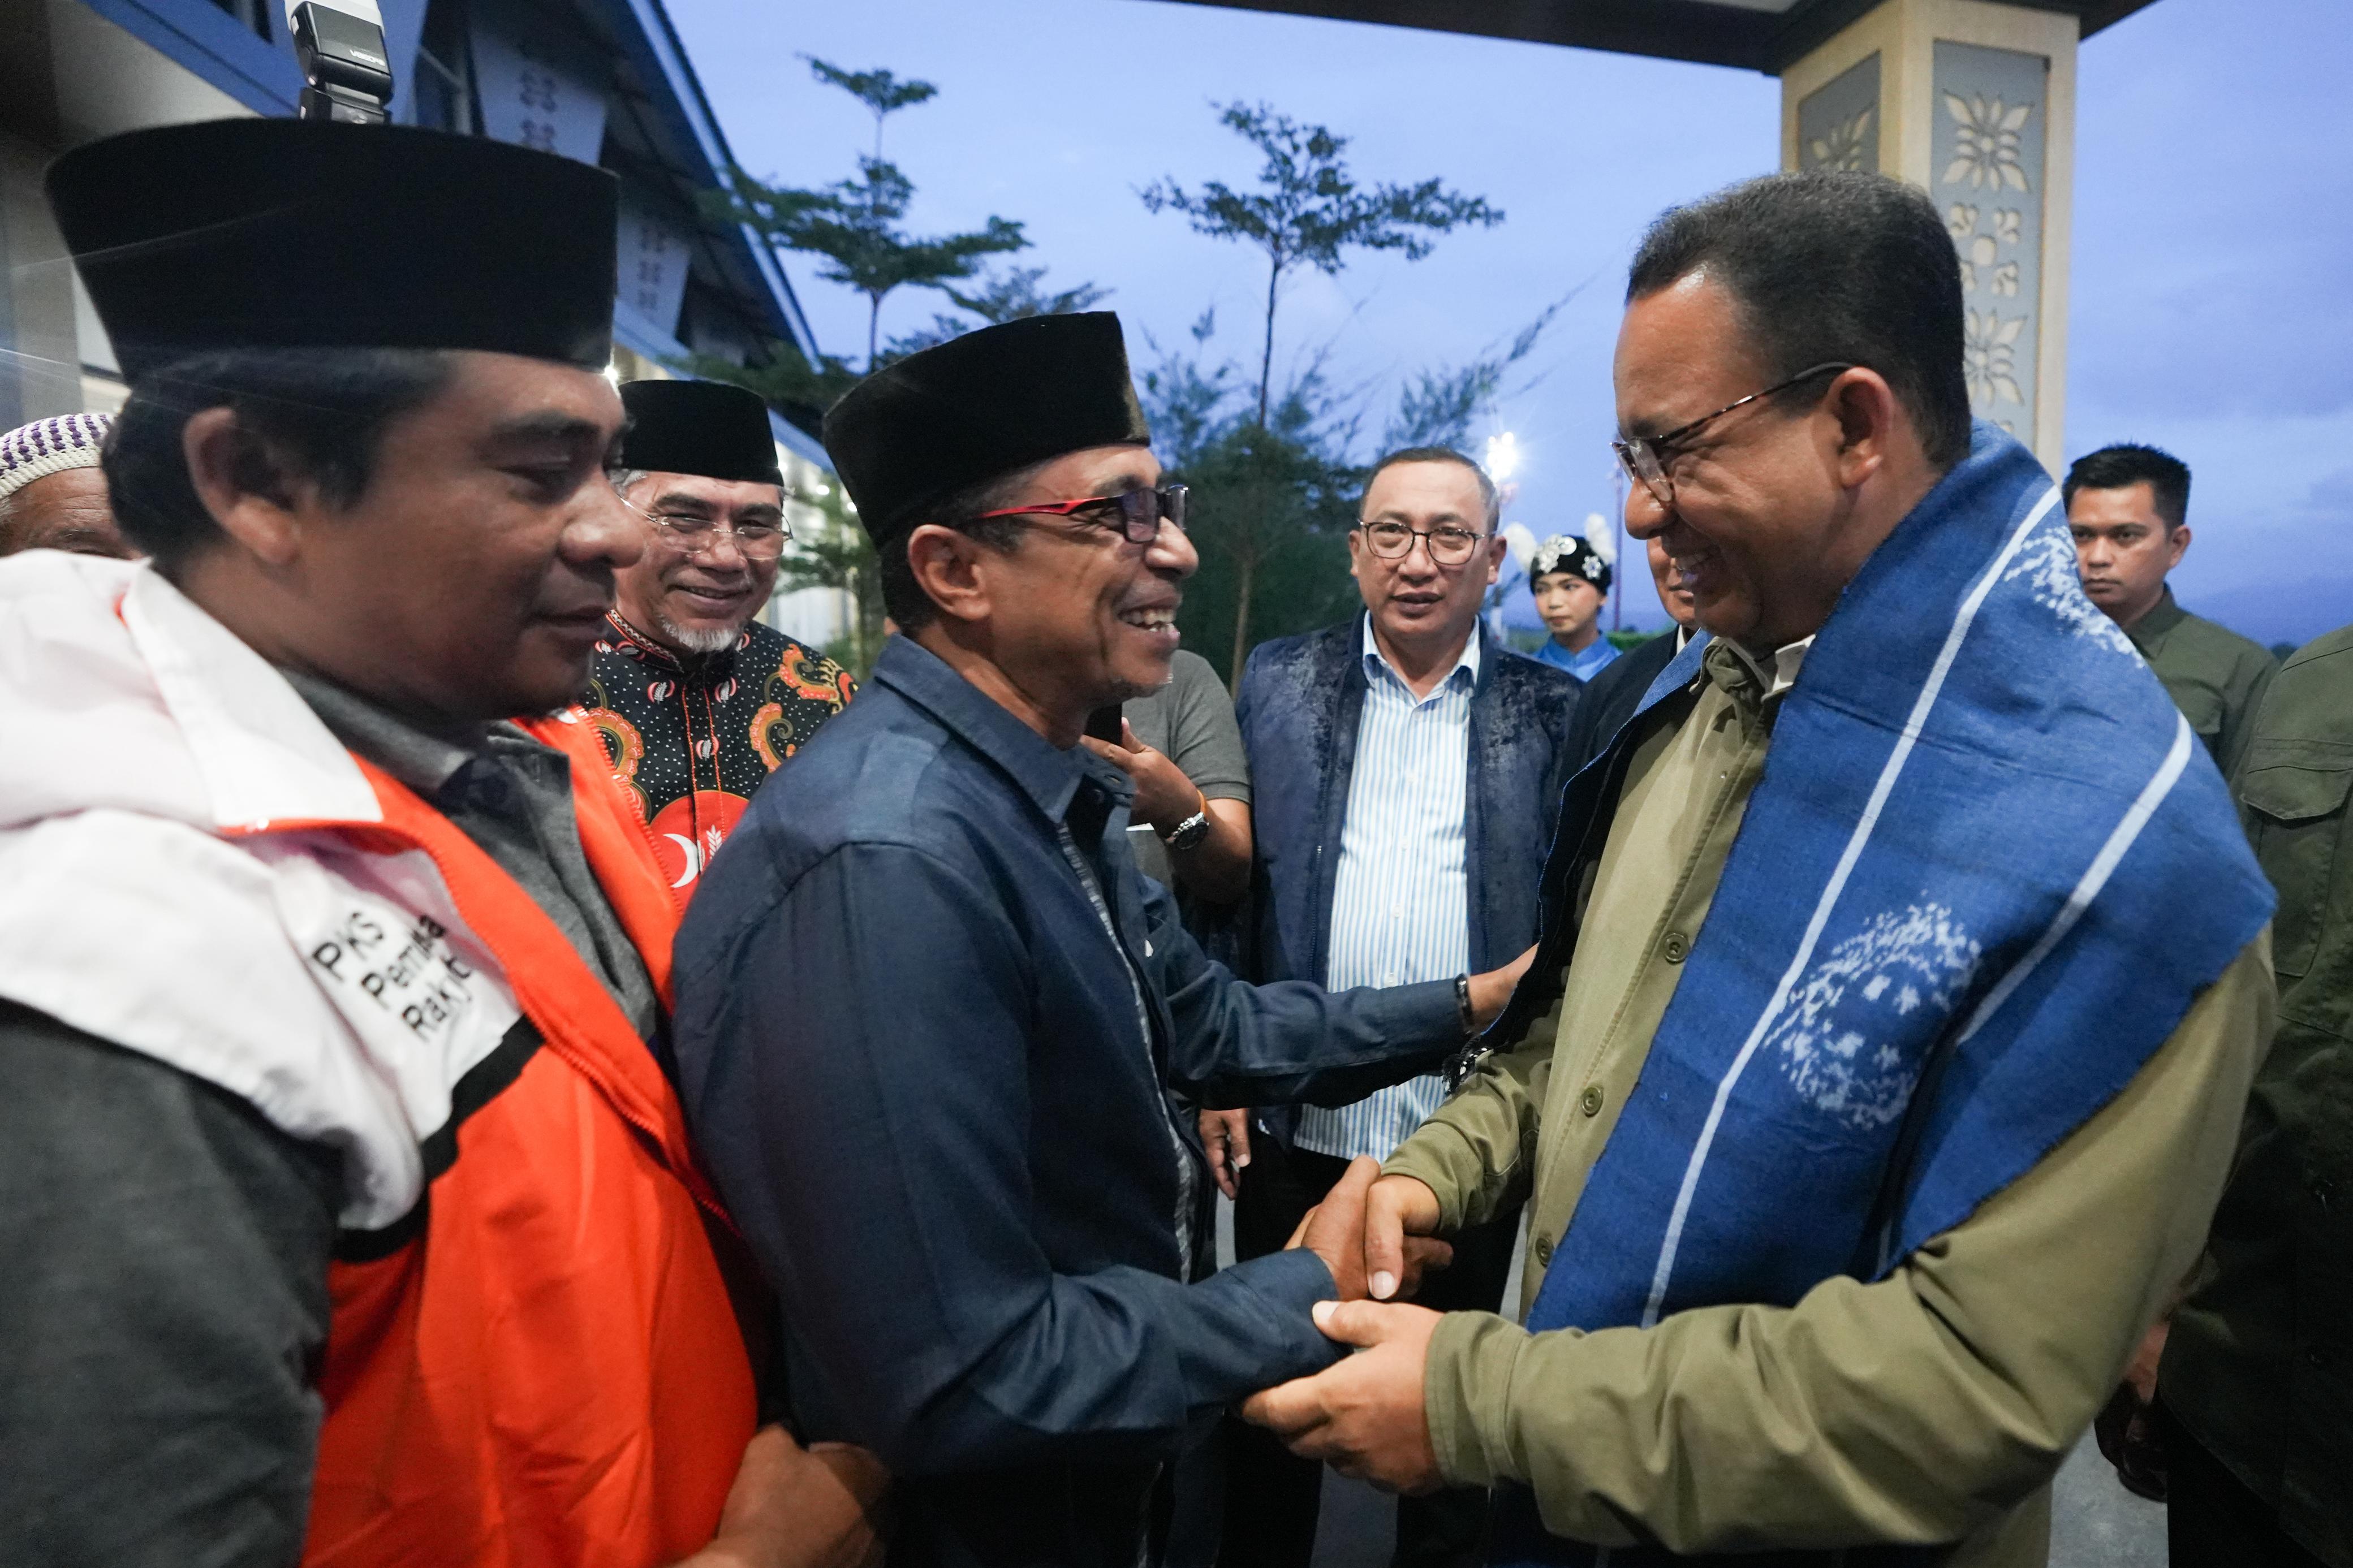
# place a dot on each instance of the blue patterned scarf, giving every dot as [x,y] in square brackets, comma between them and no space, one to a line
[1987,869]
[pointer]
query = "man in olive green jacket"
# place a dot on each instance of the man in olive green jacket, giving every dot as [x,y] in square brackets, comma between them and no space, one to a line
[2128,508]
[1928,1405]
[2256,1387]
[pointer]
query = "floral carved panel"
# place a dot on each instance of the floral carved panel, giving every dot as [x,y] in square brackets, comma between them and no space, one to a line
[1987,171]
[1837,123]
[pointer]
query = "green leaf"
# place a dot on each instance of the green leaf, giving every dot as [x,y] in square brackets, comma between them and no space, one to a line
[877,89]
[1308,209]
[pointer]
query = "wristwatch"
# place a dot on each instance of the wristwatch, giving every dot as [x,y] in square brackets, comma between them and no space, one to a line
[1191,831]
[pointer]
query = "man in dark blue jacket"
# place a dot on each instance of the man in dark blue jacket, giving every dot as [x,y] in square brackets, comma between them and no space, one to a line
[1407,769]
[929,1015]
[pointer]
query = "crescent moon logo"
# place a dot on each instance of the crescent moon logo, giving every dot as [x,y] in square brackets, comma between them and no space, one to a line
[687,832]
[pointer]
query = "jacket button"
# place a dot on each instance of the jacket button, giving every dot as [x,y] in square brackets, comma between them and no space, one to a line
[1542,1250]
[1589,1102]
[1676,948]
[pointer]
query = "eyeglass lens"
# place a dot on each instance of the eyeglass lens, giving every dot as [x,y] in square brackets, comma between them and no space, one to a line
[1643,465]
[1448,546]
[1640,455]
[696,535]
[1141,511]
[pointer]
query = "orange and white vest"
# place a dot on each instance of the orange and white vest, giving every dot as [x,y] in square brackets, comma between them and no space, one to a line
[533,1358]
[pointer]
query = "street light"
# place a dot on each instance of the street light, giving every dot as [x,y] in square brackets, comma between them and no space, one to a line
[1502,456]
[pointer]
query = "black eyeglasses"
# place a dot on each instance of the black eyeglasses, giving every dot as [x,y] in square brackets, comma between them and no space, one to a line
[1646,457]
[756,538]
[1135,515]
[1449,545]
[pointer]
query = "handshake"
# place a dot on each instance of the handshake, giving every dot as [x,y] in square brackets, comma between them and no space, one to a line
[1364,1414]
[1374,1233]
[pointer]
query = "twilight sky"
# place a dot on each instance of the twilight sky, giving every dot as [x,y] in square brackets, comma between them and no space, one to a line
[2210,308]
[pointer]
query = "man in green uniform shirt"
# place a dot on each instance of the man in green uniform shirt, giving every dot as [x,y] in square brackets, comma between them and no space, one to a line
[2128,508]
[1799,1279]
[2255,1391]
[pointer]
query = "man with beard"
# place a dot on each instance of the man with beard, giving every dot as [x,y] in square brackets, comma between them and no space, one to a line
[931,1016]
[697,701]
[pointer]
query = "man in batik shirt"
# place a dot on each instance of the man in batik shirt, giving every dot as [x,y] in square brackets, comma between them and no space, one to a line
[697,701]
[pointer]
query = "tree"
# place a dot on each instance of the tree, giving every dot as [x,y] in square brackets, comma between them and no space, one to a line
[1435,406]
[1272,503]
[785,378]
[882,92]
[1307,210]
[834,553]
[1010,295]
[1277,500]
[854,224]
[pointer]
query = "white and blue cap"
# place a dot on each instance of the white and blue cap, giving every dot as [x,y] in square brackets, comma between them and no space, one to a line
[1568,552]
[46,446]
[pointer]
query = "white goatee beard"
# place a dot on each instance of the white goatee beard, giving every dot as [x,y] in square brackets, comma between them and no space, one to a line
[711,640]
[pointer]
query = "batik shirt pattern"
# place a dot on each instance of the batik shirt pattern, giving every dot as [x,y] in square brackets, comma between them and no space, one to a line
[692,738]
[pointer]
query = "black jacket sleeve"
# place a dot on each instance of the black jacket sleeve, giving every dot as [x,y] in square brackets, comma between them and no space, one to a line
[167,1250]
[1239,1044]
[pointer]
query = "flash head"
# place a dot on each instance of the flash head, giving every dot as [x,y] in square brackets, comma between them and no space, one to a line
[346,72]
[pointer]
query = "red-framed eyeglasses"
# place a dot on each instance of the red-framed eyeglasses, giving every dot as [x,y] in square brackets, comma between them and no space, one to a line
[1135,515]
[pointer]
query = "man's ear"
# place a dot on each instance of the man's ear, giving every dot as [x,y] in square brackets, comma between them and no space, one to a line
[1870,420]
[946,565]
[2178,544]
[238,480]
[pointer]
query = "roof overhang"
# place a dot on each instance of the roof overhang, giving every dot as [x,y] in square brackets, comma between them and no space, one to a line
[1767,35]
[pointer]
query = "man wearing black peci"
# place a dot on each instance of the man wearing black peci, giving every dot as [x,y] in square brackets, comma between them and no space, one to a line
[931,1016]
[695,700]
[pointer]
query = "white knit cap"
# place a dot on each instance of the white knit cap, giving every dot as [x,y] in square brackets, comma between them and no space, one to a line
[50,446]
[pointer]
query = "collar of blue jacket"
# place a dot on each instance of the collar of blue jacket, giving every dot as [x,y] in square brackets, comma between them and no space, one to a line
[1469,660]
[1046,774]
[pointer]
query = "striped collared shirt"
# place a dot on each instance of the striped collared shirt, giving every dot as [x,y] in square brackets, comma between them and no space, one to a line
[1400,900]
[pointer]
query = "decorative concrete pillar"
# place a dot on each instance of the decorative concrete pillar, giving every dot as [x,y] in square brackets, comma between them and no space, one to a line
[1975,103]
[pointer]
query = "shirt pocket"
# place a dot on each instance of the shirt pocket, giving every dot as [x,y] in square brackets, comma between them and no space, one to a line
[2296,818]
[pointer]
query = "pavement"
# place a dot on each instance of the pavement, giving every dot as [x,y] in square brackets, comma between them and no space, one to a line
[2094,1522]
